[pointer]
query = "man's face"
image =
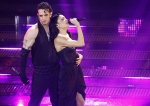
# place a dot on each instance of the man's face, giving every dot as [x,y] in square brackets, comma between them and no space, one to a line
[44,16]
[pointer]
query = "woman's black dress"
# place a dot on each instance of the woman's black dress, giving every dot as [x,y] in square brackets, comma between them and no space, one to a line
[71,78]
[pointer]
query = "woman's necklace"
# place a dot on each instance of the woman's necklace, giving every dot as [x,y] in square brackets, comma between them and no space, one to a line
[48,35]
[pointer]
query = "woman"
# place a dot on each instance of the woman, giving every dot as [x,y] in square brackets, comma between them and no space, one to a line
[71,83]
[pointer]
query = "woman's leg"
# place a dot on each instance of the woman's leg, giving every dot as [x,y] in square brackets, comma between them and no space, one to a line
[79,99]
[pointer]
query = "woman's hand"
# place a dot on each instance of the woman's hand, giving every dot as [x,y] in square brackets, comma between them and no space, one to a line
[74,21]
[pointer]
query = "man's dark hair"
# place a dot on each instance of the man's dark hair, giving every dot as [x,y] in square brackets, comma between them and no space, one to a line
[44,5]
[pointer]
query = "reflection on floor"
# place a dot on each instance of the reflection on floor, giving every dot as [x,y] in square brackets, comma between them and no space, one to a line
[23,101]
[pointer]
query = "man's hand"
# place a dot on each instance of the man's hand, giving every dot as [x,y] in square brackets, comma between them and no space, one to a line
[78,60]
[24,79]
[22,76]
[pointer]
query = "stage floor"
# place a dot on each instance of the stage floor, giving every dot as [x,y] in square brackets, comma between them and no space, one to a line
[23,101]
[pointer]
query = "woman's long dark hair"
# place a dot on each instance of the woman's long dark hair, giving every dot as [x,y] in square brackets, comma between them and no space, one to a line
[53,27]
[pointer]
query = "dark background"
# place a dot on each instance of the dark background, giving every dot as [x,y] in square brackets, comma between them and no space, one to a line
[89,8]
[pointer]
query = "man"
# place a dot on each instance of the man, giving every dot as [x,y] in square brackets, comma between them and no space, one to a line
[44,58]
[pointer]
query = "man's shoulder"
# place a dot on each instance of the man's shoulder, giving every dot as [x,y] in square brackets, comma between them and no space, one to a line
[32,31]
[33,27]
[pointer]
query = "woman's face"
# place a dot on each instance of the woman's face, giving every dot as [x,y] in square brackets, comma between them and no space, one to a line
[62,22]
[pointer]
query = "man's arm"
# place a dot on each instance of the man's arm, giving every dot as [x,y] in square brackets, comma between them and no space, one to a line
[28,41]
[29,38]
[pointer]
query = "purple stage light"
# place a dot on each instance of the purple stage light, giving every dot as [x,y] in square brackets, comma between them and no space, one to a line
[137,77]
[20,103]
[29,25]
[21,48]
[4,78]
[129,28]
[4,74]
[73,26]
[10,48]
